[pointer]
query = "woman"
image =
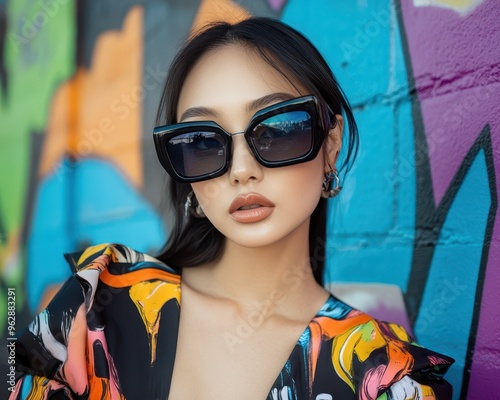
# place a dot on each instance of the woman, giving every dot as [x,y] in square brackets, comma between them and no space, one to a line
[251,124]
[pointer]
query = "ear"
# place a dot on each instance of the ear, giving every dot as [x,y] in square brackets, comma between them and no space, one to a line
[333,143]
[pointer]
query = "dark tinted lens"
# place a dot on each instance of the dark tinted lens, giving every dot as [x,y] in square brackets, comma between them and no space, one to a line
[284,136]
[197,153]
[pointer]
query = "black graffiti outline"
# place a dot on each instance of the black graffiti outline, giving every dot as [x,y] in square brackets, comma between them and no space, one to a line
[429,219]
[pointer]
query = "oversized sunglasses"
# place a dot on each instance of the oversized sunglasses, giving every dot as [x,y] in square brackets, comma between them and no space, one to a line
[286,133]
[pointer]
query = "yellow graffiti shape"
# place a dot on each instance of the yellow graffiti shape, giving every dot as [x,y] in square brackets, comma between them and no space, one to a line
[149,298]
[463,7]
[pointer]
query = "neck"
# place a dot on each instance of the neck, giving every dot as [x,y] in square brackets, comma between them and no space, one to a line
[279,272]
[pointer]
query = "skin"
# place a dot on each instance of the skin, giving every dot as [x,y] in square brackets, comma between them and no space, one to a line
[263,276]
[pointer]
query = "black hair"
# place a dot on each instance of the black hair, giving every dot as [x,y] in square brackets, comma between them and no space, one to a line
[194,241]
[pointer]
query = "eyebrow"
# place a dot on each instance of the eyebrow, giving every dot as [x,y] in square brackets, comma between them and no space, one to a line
[263,101]
[198,112]
[256,104]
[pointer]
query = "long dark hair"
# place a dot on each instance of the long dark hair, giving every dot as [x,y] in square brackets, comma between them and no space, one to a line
[194,241]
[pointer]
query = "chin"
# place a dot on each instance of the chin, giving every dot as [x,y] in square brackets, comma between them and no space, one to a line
[252,242]
[251,238]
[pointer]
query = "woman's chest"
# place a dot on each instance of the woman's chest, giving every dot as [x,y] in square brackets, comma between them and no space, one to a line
[223,357]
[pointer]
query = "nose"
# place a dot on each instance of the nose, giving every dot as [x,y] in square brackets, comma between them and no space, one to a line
[244,166]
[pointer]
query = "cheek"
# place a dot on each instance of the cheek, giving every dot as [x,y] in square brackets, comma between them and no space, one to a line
[304,183]
[208,192]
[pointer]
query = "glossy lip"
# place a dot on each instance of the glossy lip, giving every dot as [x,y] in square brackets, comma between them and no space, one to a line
[253,214]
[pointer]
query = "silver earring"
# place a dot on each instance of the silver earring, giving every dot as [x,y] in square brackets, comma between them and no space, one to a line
[331,184]
[197,211]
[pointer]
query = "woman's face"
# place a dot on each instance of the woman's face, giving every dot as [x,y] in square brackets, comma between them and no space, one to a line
[251,205]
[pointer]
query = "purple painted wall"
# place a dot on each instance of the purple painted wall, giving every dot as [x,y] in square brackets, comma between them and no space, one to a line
[456,66]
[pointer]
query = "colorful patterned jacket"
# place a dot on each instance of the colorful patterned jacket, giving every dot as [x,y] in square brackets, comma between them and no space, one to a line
[111,333]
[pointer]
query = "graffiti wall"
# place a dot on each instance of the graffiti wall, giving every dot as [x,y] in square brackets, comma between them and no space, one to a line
[79,85]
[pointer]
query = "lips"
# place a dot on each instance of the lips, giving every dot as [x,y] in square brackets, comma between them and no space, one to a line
[250,207]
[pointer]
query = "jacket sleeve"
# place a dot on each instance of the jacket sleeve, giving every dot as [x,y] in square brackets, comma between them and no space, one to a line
[42,347]
[409,389]
[390,365]
[51,352]
[63,352]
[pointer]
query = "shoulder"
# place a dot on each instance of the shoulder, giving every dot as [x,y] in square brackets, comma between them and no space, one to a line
[370,356]
[120,267]
[104,276]
[116,257]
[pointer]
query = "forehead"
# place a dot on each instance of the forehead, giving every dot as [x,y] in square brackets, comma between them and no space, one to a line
[232,75]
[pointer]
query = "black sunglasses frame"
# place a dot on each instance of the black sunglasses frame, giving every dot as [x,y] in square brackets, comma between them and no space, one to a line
[322,117]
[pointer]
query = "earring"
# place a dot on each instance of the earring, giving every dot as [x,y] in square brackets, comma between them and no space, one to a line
[197,211]
[331,184]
